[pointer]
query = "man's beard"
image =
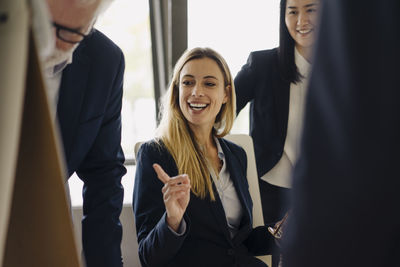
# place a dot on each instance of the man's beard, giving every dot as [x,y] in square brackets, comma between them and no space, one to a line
[57,57]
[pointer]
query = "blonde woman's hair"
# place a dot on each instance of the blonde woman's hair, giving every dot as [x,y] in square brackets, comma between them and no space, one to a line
[176,134]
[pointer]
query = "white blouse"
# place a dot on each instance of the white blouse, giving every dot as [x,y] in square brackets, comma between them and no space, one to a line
[280,174]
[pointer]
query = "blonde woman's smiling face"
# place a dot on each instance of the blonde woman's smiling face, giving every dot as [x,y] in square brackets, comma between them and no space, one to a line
[202,92]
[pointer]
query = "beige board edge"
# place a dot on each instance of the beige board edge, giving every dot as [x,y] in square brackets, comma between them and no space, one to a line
[13,58]
[40,232]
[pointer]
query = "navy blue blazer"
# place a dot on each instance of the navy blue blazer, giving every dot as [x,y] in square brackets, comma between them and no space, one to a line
[207,241]
[89,115]
[260,83]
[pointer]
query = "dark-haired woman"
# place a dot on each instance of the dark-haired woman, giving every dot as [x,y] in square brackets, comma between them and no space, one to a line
[275,82]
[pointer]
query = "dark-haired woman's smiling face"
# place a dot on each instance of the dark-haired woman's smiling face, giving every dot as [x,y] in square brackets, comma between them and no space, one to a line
[301,20]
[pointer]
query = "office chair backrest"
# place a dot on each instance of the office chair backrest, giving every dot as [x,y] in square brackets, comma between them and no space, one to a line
[246,142]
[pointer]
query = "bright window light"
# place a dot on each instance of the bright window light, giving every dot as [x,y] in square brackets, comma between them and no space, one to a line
[234,28]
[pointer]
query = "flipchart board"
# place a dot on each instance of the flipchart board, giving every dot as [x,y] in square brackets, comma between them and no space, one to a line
[13,55]
[36,226]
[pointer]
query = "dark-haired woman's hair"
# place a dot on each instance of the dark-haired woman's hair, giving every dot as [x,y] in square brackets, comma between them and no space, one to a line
[287,65]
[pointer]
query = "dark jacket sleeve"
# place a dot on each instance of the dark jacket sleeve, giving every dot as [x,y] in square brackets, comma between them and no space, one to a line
[158,245]
[245,83]
[101,171]
[260,241]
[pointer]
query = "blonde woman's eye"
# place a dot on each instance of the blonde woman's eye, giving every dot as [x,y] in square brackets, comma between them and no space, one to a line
[210,84]
[186,83]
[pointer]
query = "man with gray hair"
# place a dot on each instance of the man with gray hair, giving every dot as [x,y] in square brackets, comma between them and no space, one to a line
[85,76]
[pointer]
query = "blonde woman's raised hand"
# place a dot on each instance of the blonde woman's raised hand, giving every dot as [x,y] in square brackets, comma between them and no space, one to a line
[176,194]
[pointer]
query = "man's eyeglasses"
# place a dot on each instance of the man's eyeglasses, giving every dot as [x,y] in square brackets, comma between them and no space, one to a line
[69,35]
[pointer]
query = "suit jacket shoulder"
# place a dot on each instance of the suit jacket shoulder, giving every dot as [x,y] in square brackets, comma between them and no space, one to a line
[237,151]
[260,83]
[263,58]
[100,47]
[89,115]
[257,78]
[90,95]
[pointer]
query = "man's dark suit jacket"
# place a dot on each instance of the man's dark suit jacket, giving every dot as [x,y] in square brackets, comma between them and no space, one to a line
[207,240]
[89,114]
[346,184]
[259,82]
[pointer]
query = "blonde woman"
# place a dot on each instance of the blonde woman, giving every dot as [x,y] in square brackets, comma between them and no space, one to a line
[191,200]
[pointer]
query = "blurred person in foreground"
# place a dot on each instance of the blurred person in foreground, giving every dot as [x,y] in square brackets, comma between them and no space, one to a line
[346,183]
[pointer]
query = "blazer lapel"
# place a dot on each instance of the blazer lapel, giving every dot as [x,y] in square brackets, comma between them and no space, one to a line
[237,173]
[72,92]
[219,213]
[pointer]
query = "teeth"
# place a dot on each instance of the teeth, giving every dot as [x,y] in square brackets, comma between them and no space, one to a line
[304,31]
[197,105]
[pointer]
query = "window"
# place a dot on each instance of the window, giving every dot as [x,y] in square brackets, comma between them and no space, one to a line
[234,29]
[127,23]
